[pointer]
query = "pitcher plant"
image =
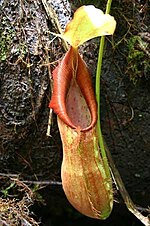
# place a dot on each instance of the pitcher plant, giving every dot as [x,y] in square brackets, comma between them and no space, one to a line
[85,180]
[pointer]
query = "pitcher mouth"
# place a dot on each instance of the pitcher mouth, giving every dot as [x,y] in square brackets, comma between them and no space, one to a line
[77,108]
[73,98]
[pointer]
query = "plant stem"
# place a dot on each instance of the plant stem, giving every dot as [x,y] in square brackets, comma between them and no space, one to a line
[126,197]
[98,90]
[108,6]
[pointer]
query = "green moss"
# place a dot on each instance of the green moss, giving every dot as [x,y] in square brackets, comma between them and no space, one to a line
[6,35]
[138,62]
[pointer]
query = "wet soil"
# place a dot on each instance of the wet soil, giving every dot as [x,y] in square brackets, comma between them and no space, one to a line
[26,50]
